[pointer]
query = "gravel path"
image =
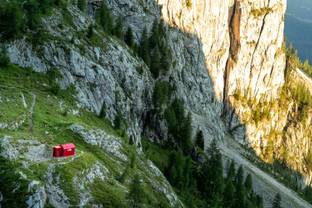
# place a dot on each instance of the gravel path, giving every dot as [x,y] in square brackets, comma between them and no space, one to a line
[263,182]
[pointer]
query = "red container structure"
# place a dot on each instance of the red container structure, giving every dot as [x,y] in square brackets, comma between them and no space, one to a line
[68,149]
[57,151]
[64,150]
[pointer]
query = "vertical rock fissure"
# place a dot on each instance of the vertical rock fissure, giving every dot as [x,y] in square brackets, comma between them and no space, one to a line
[256,47]
[234,33]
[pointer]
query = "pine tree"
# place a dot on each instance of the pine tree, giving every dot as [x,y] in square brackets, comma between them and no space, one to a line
[82,5]
[90,31]
[11,20]
[175,169]
[144,48]
[216,176]
[103,111]
[155,62]
[199,140]
[117,31]
[129,39]
[118,121]
[248,183]
[4,59]
[154,39]
[229,198]
[239,176]
[161,94]
[136,193]
[104,18]
[31,8]
[231,172]
[166,59]
[240,192]
[277,201]
[210,182]
[186,133]
[187,174]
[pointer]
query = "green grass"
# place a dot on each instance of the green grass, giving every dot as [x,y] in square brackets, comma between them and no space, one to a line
[51,127]
[156,153]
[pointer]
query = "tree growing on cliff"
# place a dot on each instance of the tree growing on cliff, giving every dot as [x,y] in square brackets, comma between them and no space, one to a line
[248,183]
[4,59]
[144,50]
[129,39]
[82,5]
[11,20]
[117,31]
[136,194]
[104,18]
[277,201]
[199,140]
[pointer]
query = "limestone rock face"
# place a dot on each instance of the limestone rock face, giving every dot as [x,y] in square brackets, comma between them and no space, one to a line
[109,78]
[243,38]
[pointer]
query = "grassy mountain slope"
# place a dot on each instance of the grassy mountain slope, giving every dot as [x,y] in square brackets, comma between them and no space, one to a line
[93,176]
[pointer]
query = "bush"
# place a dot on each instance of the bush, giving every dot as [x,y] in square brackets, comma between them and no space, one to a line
[189,4]
[55,88]
[4,59]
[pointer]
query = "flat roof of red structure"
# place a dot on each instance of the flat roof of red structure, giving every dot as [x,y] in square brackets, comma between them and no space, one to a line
[68,146]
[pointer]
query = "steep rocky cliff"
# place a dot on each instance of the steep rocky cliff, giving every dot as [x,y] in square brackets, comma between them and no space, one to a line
[228,60]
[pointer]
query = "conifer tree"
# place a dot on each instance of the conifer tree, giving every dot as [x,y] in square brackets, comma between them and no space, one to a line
[144,48]
[90,31]
[187,174]
[175,169]
[216,165]
[277,201]
[103,111]
[4,59]
[31,9]
[229,197]
[155,35]
[240,192]
[104,18]
[118,121]
[248,183]
[166,59]
[117,31]
[231,172]
[11,20]
[155,62]
[199,140]
[129,39]
[239,176]
[186,133]
[161,94]
[136,193]
[82,5]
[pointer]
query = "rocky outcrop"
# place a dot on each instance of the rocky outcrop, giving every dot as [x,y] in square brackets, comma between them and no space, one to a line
[38,197]
[100,138]
[108,78]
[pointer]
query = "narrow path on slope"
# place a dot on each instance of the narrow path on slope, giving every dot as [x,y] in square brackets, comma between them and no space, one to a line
[305,78]
[231,149]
